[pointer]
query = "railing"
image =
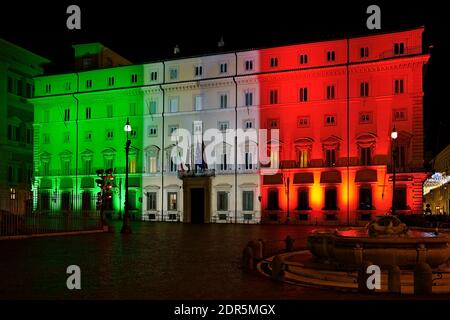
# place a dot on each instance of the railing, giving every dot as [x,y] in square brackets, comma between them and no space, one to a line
[406,51]
[199,172]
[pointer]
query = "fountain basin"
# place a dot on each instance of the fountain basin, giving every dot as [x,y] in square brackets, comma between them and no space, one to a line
[352,246]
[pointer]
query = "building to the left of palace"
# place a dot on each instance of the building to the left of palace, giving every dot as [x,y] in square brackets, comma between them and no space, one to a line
[18,66]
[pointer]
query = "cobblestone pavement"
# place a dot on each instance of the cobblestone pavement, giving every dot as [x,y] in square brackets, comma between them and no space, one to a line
[158,261]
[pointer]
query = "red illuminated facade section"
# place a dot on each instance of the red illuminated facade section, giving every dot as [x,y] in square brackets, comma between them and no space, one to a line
[335,104]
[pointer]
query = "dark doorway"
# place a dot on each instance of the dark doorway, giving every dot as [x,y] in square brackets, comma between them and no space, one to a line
[273,200]
[197,205]
[65,201]
[330,199]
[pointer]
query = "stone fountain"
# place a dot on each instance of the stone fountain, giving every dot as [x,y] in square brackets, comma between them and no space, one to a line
[385,241]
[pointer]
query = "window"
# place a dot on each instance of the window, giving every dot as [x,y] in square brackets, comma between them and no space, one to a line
[274,158]
[65,166]
[45,168]
[48,88]
[133,134]
[134,78]
[132,109]
[365,154]
[248,65]
[223,100]
[198,71]
[224,67]
[87,166]
[109,110]
[330,92]
[330,199]
[331,56]
[110,81]
[172,129]
[19,87]
[88,136]
[172,164]
[132,165]
[303,158]
[399,48]
[198,103]
[223,126]
[248,98]
[273,62]
[303,122]
[303,59]
[330,120]
[364,52]
[151,201]
[11,177]
[46,138]
[222,201]
[66,114]
[248,161]
[152,107]
[365,117]
[273,124]
[400,202]
[152,164]
[400,157]
[272,203]
[330,157]
[109,134]
[172,201]
[46,116]
[152,131]
[248,124]
[11,86]
[398,86]
[88,112]
[364,89]
[29,136]
[173,104]
[67,86]
[29,90]
[66,137]
[400,115]
[12,193]
[173,73]
[303,94]
[88,84]
[153,76]
[365,198]
[303,199]
[247,200]
[273,98]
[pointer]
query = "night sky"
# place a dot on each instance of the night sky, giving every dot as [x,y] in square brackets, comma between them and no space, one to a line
[144,31]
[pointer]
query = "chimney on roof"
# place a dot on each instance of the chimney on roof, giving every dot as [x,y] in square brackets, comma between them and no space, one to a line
[176,50]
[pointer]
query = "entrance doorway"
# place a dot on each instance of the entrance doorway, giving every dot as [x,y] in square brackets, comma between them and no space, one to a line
[197,205]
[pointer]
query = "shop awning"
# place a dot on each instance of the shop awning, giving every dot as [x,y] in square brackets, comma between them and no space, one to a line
[273,179]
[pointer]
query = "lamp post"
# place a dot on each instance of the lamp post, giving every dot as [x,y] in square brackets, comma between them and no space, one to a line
[286,186]
[394,136]
[126,217]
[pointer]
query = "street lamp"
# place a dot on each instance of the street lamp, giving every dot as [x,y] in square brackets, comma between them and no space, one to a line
[126,217]
[394,136]
[286,186]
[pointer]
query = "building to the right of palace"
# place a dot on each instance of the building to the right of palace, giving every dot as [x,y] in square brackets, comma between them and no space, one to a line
[334,104]
[437,187]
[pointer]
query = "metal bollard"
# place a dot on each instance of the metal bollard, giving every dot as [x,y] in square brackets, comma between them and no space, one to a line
[247,259]
[257,249]
[289,244]
[278,267]
[394,280]
[423,279]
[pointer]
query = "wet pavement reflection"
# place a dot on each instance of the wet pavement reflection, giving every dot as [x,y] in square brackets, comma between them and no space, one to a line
[158,261]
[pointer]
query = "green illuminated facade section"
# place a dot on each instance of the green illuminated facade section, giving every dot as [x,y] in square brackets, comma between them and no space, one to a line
[78,127]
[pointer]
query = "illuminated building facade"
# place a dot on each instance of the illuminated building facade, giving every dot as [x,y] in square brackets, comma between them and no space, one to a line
[334,104]
[17,69]
[437,187]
